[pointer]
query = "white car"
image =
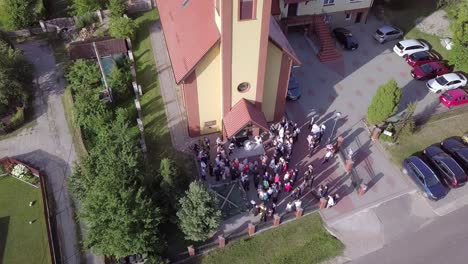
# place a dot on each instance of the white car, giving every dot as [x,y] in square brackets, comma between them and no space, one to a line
[409,46]
[446,82]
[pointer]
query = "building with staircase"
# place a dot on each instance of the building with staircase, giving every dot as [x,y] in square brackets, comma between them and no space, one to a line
[232,62]
[319,16]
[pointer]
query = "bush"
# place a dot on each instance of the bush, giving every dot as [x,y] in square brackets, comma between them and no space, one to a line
[117,7]
[385,102]
[198,214]
[120,81]
[15,77]
[81,7]
[17,119]
[86,20]
[22,13]
[459,54]
[122,27]
[84,75]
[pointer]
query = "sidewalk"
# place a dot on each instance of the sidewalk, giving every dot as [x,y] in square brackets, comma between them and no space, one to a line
[371,167]
[170,91]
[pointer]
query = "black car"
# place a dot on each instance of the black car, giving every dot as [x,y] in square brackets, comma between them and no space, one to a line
[458,150]
[346,38]
[294,91]
[424,177]
[449,169]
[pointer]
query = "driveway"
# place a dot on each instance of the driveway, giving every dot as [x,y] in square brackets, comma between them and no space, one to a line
[347,86]
[48,145]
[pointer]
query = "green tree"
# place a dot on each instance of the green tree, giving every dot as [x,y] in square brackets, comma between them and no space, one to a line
[199,215]
[120,217]
[459,26]
[385,102]
[117,7]
[22,13]
[15,78]
[406,125]
[120,81]
[89,112]
[81,7]
[84,75]
[122,27]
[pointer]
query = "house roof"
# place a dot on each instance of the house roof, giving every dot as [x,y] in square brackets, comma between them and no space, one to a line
[275,8]
[190,32]
[242,114]
[106,46]
[280,40]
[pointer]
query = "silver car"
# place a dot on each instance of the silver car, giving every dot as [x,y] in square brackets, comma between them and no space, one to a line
[387,32]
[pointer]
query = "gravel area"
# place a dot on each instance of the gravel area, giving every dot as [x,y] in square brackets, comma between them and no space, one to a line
[436,24]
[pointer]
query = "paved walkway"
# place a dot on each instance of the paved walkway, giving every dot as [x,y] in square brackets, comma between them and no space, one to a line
[48,145]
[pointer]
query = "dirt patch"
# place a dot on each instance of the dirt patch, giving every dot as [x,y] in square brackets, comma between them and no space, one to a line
[435,24]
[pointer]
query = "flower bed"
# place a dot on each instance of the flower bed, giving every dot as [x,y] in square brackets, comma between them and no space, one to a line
[20,171]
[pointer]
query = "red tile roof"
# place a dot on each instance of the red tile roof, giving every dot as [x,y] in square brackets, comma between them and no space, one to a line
[242,114]
[190,32]
[280,40]
[106,46]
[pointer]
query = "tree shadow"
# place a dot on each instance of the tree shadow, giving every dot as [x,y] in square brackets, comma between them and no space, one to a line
[4,223]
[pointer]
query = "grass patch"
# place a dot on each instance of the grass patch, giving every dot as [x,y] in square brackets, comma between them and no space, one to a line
[26,125]
[436,129]
[3,14]
[301,241]
[157,135]
[21,242]
[77,137]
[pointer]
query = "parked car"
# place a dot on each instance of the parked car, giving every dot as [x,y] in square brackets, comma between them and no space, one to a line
[448,81]
[386,33]
[429,70]
[409,46]
[424,177]
[294,91]
[420,58]
[346,38]
[465,138]
[454,97]
[458,150]
[448,168]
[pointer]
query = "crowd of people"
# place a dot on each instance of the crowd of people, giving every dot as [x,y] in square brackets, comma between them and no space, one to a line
[271,175]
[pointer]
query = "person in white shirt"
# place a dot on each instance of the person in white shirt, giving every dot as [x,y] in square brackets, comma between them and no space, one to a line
[298,204]
[331,201]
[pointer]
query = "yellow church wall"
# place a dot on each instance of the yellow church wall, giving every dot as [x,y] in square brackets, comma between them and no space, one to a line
[245,52]
[273,69]
[209,90]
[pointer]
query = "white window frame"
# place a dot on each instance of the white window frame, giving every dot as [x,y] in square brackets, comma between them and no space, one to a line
[328,2]
[348,16]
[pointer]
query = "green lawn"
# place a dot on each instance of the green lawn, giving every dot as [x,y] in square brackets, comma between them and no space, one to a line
[3,17]
[158,138]
[436,129]
[301,241]
[21,242]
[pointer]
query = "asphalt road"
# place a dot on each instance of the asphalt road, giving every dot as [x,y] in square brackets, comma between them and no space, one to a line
[442,241]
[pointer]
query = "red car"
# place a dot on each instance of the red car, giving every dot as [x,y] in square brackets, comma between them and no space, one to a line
[420,58]
[429,70]
[454,97]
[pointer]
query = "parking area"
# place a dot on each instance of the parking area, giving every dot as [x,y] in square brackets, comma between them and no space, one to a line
[347,85]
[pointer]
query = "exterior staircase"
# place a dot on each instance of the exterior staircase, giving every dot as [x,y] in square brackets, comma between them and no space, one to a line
[328,51]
